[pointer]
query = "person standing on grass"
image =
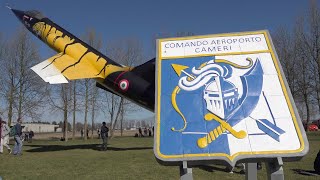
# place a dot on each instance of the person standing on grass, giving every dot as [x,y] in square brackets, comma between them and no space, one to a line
[26,136]
[87,133]
[17,149]
[104,135]
[31,134]
[145,131]
[98,131]
[5,130]
[140,132]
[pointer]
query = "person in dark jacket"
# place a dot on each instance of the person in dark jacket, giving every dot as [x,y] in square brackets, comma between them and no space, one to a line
[31,134]
[98,133]
[18,138]
[104,135]
[81,131]
[140,132]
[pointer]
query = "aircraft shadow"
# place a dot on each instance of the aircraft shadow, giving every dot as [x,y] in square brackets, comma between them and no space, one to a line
[96,147]
[210,168]
[305,172]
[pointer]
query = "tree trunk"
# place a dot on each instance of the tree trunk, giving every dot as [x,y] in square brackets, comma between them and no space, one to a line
[74,111]
[65,117]
[306,102]
[21,78]
[65,112]
[116,118]
[92,120]
[86,110]
[121,121]
[10,107]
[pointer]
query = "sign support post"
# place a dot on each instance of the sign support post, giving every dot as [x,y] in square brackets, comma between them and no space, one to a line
[251,171]
[275,169]
[185,171]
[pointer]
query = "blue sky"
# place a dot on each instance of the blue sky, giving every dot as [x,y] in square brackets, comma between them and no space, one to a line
[143,19]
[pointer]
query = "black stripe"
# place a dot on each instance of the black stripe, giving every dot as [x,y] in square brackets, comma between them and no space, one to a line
[75,62]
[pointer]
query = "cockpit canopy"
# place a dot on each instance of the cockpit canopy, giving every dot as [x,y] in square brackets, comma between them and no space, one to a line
[35,14]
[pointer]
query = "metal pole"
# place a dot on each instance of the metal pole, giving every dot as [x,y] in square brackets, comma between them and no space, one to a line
[251,171]
[185,172]
[275,169]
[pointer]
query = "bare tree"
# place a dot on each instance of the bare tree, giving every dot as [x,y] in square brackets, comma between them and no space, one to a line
[127,52]
[91,92]
[299,53]
[2,59]
[306,69]
[114,104]
[74,109]
[23,87]
[8,83]
[60,100]
[94,96]
[86,107]
[309,36]
[284,44]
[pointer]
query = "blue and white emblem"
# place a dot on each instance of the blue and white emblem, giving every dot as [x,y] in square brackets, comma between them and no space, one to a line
[228,100]
[224,97]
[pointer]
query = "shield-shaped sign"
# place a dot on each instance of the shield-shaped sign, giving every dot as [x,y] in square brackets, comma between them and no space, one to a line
[224,97]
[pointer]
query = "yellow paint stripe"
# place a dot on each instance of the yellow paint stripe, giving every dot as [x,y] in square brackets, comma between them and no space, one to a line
[216,133]
[212,135]
[208,139]
[219,130]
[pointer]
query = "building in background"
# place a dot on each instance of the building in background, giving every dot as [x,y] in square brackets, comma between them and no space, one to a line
[39,127]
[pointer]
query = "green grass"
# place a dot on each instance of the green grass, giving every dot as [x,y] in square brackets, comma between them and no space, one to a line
[127,158]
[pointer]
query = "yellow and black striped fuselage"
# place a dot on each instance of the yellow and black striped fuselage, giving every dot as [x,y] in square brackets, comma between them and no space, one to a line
[67,44]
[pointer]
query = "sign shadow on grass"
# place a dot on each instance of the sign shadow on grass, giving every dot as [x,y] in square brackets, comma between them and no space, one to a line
[96,147]
[211,168]
[305,172]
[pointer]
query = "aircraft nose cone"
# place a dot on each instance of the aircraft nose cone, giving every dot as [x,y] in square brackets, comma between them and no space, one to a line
[20,14]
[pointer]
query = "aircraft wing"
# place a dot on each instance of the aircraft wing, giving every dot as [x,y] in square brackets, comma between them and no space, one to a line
[48,72]
[61,67]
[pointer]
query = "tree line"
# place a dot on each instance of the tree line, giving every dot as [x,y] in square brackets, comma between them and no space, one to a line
[25,95]
[298,49]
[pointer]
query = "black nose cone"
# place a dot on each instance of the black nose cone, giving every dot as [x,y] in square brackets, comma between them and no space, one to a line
[20,14]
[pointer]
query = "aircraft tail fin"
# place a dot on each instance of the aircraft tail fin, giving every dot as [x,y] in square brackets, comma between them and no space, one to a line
[146,70]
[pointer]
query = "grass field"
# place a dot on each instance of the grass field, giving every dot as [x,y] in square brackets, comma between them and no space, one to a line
[127,158]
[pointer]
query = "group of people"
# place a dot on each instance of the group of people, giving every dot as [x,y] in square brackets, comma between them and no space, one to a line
[6,132]
[82,133]
[146,132]
[28,136]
